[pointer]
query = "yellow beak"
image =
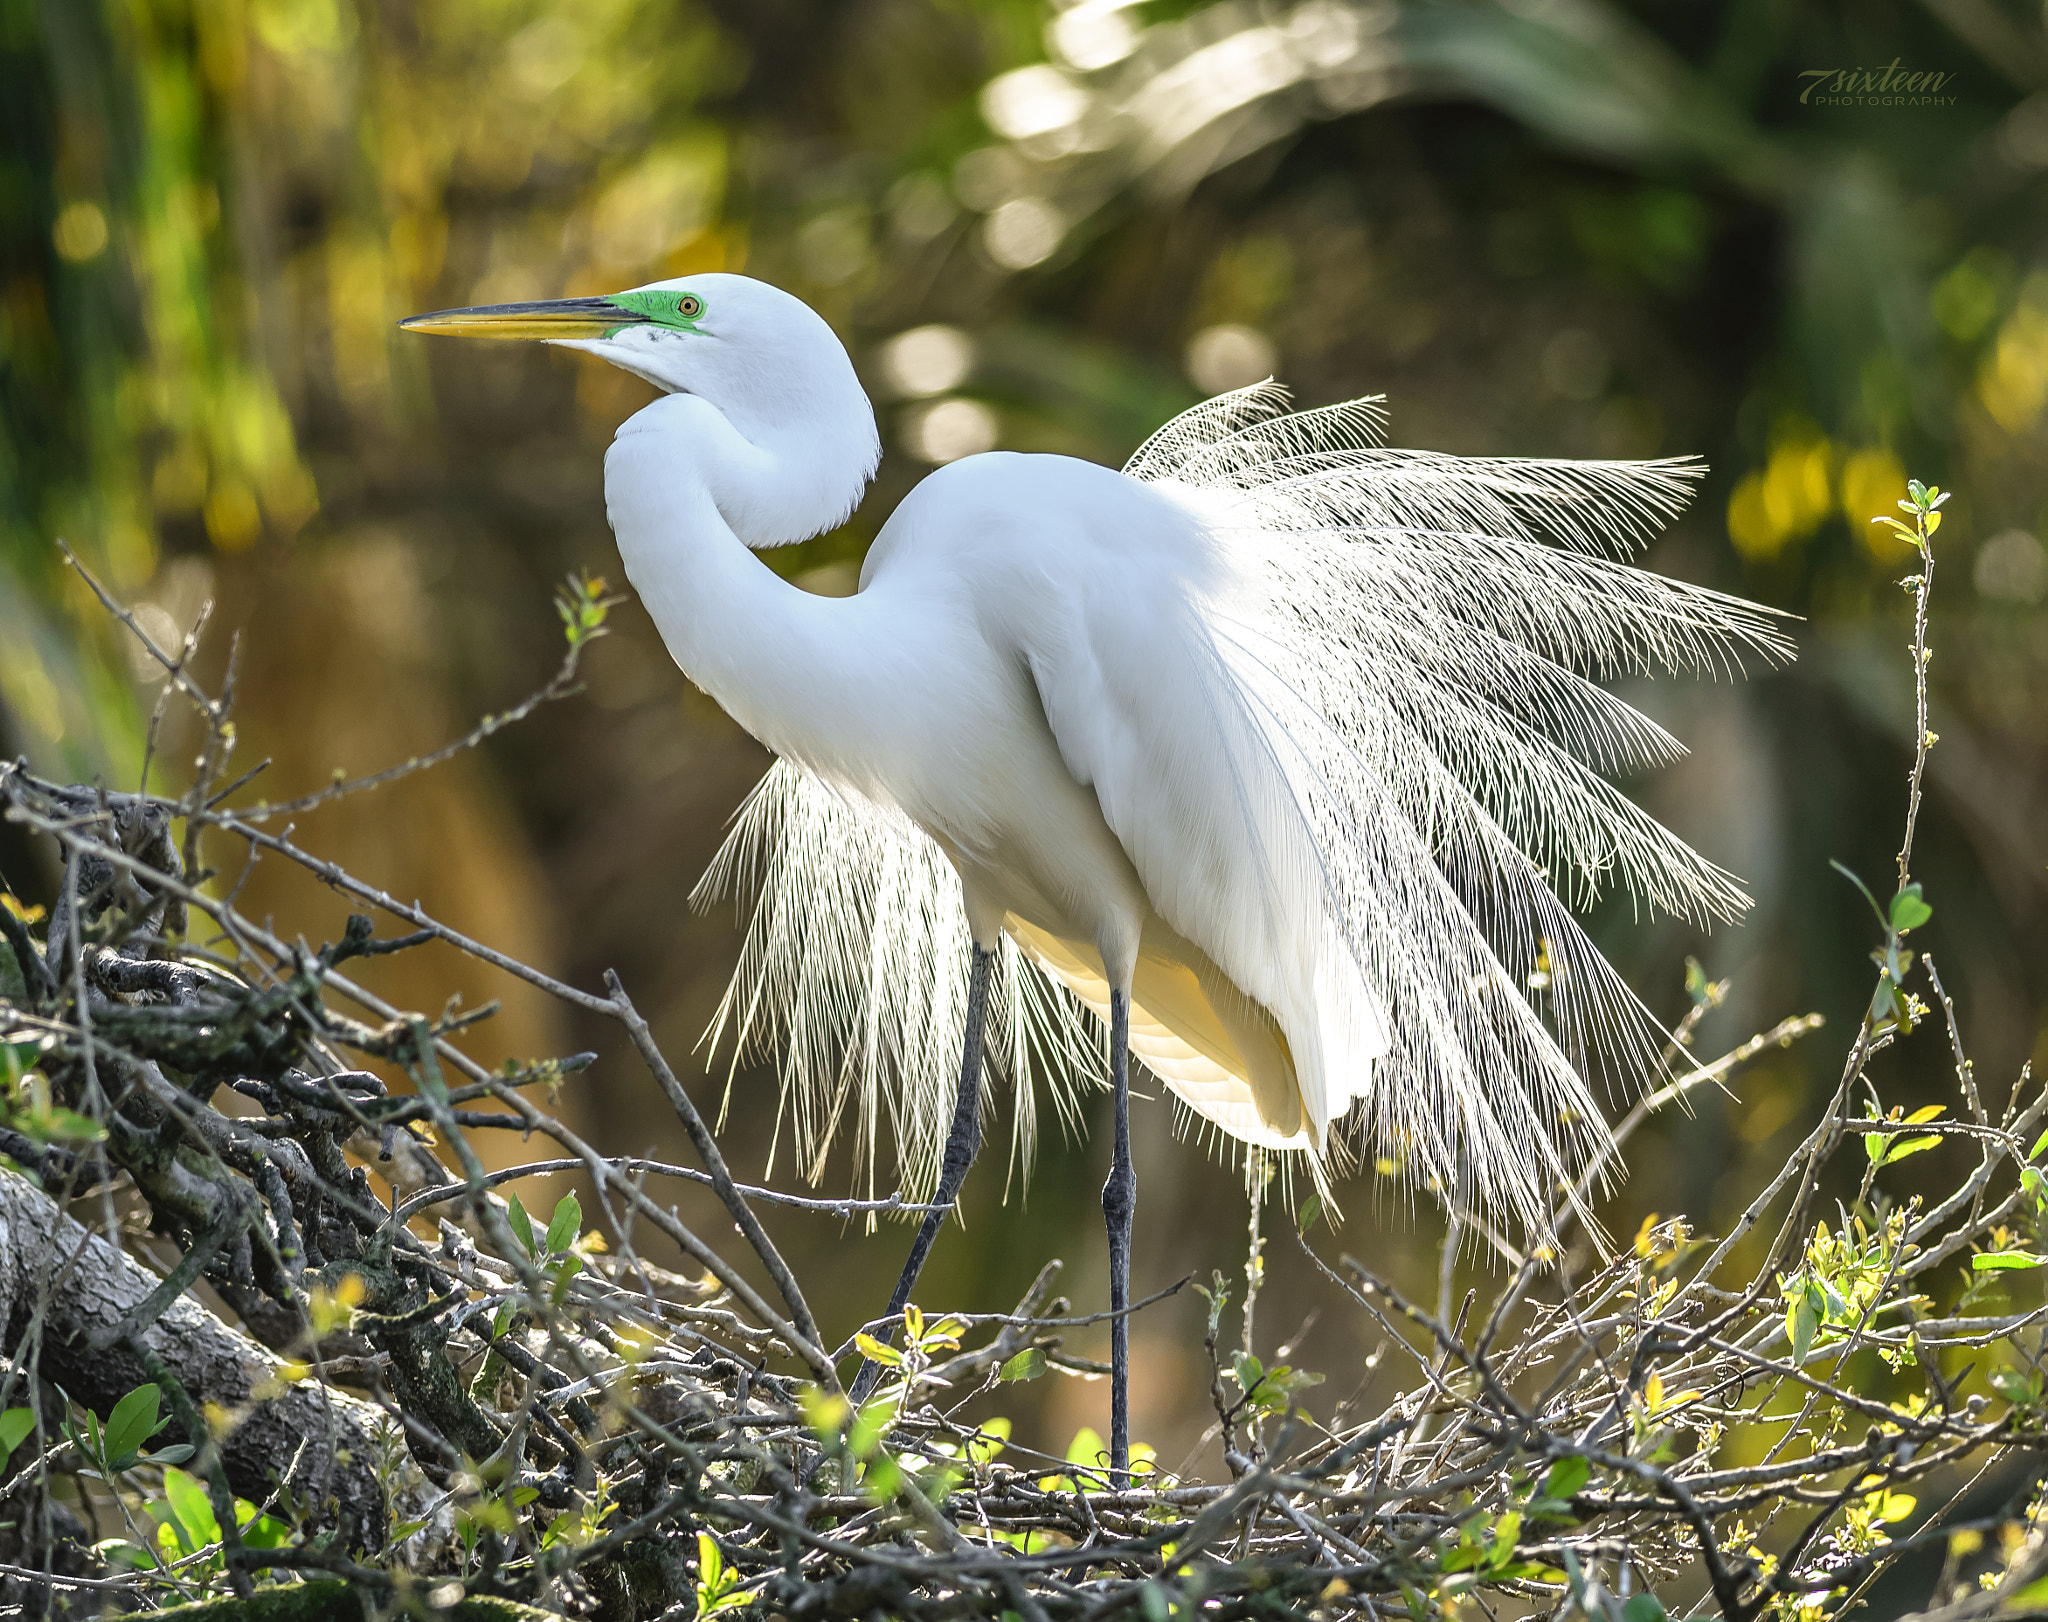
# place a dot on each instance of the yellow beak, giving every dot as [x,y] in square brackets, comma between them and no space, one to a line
[548,319]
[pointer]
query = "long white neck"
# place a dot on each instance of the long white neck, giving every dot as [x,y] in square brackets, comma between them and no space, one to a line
[687,493]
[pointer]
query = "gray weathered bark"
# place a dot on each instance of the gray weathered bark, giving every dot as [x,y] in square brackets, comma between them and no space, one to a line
[331,1444]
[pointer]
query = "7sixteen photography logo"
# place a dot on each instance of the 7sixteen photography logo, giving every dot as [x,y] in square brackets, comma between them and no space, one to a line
[1874,87]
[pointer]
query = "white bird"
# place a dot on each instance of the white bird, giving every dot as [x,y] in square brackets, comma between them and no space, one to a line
[1279,751]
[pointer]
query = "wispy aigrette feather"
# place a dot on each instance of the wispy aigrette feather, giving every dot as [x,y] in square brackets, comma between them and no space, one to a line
[1413,646]
[854,977]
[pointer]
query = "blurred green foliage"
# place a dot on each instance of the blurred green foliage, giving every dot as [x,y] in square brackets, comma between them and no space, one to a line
[1802,239]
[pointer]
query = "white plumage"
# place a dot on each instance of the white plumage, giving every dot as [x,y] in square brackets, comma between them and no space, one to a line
[1287,743]
[1386,662]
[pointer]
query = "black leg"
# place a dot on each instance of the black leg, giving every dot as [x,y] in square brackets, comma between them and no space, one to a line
[1119,1201]
[962,1144]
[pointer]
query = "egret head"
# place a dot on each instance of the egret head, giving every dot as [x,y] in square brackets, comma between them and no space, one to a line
[763,357]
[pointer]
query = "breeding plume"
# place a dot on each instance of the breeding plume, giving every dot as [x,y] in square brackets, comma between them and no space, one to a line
[1279,752]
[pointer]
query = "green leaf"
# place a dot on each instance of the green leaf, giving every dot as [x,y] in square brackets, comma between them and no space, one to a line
[193,1509]
[2015,1386]
[2007,1261]
[870,1424]
[1311,1208]
[1802,1322]
[1248,1369]
[1867,896]
[1873,1147]
[132,1423]
[988,1445]
[522,1225]
[825,1413]
[1902,1147]
[565,1225]
[1028,1364]
[876,1351]
[120,1552]
[15,1426]
[261,1531]
[710,1563]
[1086,1448]
[1506,1532]
[1642,1608]
[1567,1477]
[60,1125]
[1277,1387]
[1909,910]
[882,1479]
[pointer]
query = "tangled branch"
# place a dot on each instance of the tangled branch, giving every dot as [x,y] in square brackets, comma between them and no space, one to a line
[495,1410]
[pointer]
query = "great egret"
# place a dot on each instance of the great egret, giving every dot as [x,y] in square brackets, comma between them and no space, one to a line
[1278,750]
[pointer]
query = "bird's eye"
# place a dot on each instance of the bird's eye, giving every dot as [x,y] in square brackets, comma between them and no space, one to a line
[689,306]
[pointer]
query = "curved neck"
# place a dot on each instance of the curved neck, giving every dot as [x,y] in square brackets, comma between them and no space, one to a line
[686,493]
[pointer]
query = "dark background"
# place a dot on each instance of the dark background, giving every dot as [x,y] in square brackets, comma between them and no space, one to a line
[1559,227]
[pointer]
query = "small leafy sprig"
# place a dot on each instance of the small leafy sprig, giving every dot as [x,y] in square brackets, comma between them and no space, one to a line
[117,1446]
[583,604]
[554,1252]
[1909,909]
[718,1589]
[1923,505]
[859,1436]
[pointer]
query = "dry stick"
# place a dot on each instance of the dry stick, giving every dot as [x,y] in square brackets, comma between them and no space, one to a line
[1861,1053]
[624,1163]
[562,685]
[175,669]
[714,1163]
[337,878]
[1972,1191]
[1817,1146]
[1922,738]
